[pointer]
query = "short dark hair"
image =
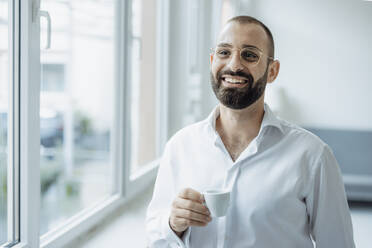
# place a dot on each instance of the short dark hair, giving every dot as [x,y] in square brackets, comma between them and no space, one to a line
[250,19]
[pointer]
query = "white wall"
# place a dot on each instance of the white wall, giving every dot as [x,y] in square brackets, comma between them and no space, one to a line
[326,57]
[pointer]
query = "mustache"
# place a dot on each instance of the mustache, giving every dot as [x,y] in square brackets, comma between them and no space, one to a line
[248,76]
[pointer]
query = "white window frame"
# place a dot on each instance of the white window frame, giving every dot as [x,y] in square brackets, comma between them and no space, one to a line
[13,126]
[126,187]
[29,127]
[144,177]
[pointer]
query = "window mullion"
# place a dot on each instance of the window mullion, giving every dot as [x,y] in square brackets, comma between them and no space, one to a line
[10,169]
[125,100]
[15,119]
[29,99]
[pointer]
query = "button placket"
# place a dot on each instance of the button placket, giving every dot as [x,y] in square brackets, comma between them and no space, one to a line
[229,183]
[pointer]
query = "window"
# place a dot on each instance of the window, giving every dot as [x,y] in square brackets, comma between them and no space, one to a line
[52,77]
[144,105]
[9,114]
[79,116]
[76,109]
[4,109]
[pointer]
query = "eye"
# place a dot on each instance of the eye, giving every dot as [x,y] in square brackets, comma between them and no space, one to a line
[223,52]
[249,55]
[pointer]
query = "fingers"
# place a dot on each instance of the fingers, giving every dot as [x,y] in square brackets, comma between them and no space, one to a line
[180,219]
[191,194]
[190,205]
[187,222]
[191,215]
[188,210]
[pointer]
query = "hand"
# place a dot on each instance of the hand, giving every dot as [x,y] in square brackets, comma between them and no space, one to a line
[188,210]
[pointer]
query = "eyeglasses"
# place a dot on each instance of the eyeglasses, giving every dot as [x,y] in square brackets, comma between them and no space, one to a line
[249,56]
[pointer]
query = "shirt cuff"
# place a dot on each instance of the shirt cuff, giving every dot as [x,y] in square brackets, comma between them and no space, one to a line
[172,237]
[186,237]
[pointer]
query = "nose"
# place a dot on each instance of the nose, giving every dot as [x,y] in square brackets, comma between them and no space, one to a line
[235,62]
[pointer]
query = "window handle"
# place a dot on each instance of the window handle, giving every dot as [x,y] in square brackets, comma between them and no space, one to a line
[45,14]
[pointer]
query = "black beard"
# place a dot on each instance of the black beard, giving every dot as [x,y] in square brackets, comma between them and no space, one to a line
[238,98]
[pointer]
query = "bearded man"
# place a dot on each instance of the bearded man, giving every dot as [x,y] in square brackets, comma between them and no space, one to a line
[285,185]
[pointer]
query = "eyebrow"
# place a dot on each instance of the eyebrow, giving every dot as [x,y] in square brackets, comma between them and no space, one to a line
[223,44]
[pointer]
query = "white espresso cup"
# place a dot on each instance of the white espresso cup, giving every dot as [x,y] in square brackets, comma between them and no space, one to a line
[217,201]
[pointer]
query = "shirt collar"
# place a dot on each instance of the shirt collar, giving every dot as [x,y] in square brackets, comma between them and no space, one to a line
[268,120]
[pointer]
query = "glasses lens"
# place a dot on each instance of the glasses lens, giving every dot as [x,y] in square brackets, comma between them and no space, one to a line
[223,52]
[250,55]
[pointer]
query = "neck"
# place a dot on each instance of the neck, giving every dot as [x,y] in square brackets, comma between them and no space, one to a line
[240,125]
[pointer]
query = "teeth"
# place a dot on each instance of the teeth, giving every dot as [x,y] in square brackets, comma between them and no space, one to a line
[235,81]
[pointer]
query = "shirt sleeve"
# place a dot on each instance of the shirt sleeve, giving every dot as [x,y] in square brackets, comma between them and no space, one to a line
[159,233]
[329,216]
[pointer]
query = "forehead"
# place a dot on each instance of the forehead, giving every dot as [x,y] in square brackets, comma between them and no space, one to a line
[239,35]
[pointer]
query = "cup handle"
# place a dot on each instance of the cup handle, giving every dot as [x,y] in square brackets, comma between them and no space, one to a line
[204,203]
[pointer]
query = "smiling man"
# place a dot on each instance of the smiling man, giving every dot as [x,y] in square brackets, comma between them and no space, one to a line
[286,186]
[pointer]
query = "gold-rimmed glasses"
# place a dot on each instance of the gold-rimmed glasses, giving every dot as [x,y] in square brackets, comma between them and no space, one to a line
[249,56]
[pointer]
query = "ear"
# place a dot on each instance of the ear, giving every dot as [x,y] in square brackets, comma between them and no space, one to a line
[273,71]
[211,56]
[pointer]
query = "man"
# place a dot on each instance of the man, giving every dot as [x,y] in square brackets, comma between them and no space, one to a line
[286,186]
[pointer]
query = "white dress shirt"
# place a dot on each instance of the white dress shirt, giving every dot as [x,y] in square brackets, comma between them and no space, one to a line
[286,189]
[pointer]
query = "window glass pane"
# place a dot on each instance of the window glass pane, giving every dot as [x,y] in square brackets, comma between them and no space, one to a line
[4,107]
[76,108]
[143,84]
[53,77]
